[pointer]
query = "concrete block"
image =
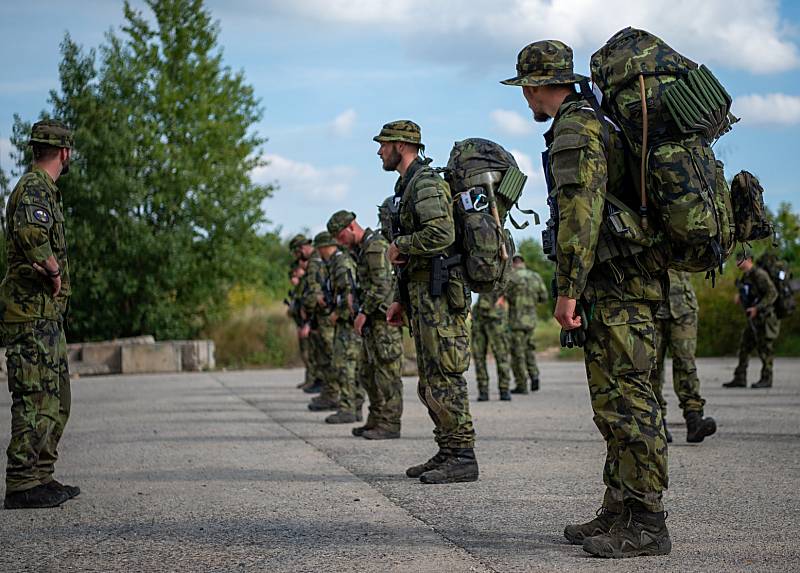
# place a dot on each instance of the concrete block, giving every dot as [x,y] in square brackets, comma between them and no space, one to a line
[108,355]
[158,357]
[196,355]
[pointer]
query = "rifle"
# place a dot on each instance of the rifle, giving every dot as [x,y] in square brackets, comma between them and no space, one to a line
[402,277]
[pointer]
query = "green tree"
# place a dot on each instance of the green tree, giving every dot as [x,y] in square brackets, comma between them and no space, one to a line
[162,215]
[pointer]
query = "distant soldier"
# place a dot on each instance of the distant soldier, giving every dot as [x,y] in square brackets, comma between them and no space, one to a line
[380,361]
[34,296]
[757,295]
[490,330]
[318,305]
[525,290]
[301,249]
[676,331]
[346,343]
[423,230]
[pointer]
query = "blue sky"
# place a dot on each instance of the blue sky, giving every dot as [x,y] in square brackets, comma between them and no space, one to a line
[329,73]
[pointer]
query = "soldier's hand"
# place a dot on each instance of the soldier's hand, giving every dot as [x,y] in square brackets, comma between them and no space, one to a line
[334,316]
[321,301]
[565,313]
[395,256]
[501,302]
[394,315]
[54,280]
[752,312]
[304,330]
[359,322]
[736,299]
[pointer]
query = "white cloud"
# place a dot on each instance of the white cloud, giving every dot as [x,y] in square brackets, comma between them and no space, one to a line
[304,180]
[343,123]
[534,196]
[511,123]
[739,34]
[768,109]
[5,160]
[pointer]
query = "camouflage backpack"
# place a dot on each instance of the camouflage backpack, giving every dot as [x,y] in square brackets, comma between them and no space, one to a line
[682,186]
[781,276]
[486,183]
[750,214]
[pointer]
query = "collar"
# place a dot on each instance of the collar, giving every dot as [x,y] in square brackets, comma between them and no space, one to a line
[568,101]
[415,166]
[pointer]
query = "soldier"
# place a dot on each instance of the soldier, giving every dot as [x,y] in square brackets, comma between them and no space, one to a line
[489,328]
[380,360]
[318,305]
[423,229]
[757,295]
[676,330]
[620,300]
[525,290]
[34,296]
[301,249]
[346,343]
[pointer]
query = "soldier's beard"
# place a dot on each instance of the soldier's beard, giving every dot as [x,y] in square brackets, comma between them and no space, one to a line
[64,167]
[540,117]
[391,162]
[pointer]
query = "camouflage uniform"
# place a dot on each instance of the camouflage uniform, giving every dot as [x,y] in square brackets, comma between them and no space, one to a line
[525,290]
[380,361]
[618,297]
[489,328]
[294,303]
[425,229]
[676,330]
[346,343]
[757,289]
[32,322]
[322,331]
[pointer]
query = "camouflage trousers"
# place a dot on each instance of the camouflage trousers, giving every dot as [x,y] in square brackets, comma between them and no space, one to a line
[442,342]
[346,352]
[306,355]
[523,357]
[619,354]
[759,334]
[321,358]
[679,336]
[488,333]
[379,370]
[38,379]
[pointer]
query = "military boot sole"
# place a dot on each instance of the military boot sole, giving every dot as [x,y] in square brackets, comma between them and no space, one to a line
[380,435]
[708,427]
[461,475]
[762,385]
[599,547]
[735,385]
[22,500]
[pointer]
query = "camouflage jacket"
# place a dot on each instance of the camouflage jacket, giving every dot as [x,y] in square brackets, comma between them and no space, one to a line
[524,291]
[680,299]
[757,289]
[295,300]
[486,308]
[35,219]
[344,273]
[578,175]
[375,280]
[314,283]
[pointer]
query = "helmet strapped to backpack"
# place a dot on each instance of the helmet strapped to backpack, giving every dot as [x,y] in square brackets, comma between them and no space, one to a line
[486,183]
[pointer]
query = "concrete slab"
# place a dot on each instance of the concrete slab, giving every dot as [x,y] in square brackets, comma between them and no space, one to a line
[159,357]
[230,472]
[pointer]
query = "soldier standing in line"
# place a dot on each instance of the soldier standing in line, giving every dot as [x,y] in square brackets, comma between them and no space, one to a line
[525,290]
[295,312]
[490,328]
[318,305]
[34,296]
[380,361]
[301,249]
[612,304]
[676,330]
[346,343]
[423,230]
[757,295]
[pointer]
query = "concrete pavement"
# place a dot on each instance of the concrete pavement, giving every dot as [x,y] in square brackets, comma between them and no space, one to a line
[228,471]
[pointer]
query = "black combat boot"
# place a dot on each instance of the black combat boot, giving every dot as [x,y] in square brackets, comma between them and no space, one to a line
[534,384]
[520,389]
[71,490]
[666,431]
[637,532]
[483,396]
[314,388]
[380,434]
[341,417]
[763,383]
[460,466]
[505,395]
[698,427]
[433,463]
[322,405]
[739,379]
[577,532]
[38,497]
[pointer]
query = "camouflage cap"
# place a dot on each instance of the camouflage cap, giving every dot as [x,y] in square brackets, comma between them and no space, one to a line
[544,63]
[401,130]
[340,220]
[324,239]
[51,132]
[298,241]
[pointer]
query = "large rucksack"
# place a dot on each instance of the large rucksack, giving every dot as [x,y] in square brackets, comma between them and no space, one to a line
[684,194]
[486,183]
[750,213]
[781,276]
